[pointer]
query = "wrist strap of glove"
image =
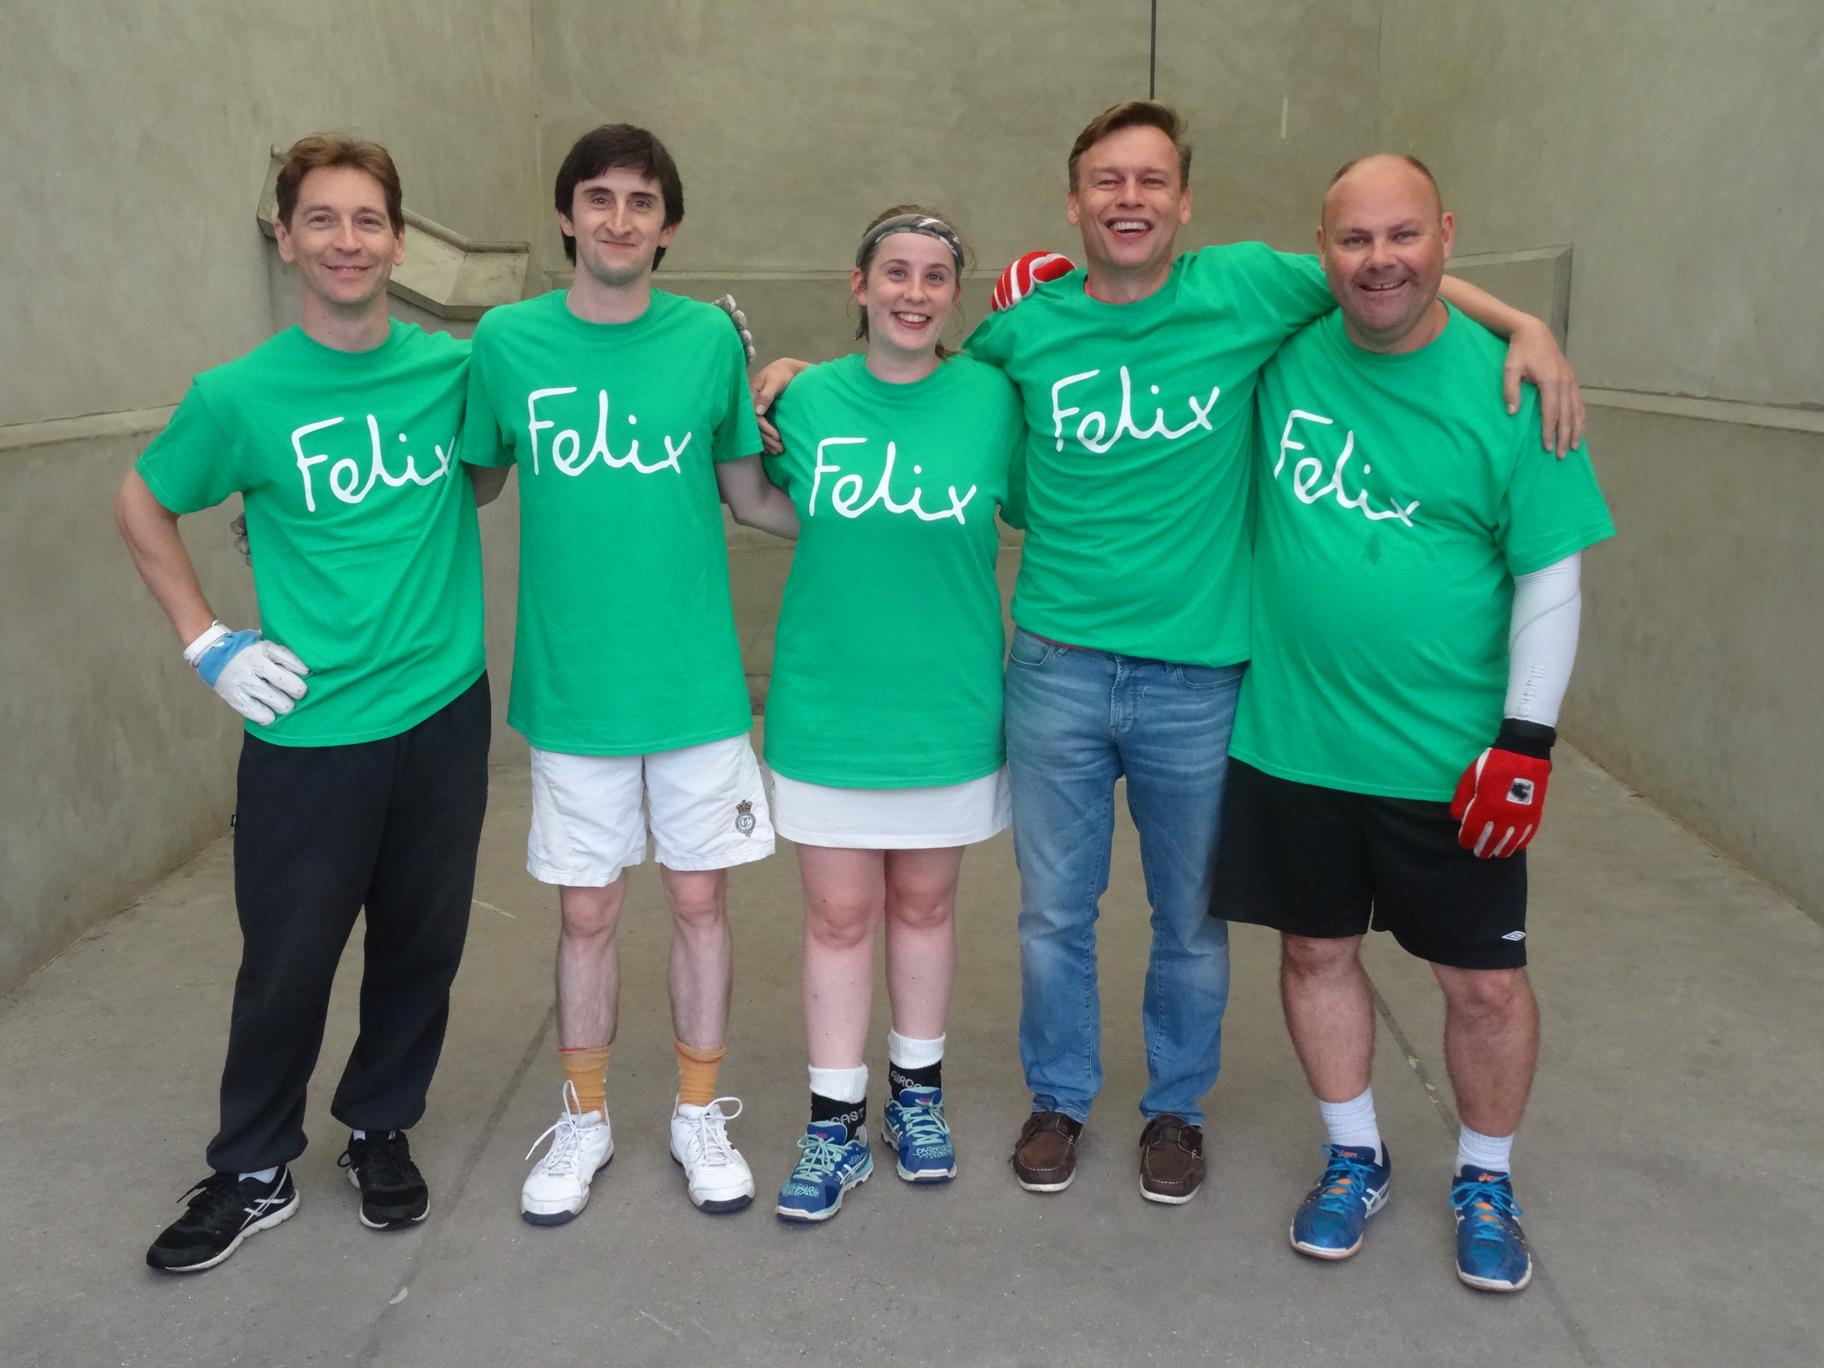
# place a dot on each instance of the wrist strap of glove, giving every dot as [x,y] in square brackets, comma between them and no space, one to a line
[1526,738]
[197,649]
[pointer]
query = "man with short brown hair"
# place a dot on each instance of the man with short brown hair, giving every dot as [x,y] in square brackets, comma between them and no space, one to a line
[363,772]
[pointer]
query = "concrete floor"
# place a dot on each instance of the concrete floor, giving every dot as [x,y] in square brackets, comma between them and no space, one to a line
[1670,1166]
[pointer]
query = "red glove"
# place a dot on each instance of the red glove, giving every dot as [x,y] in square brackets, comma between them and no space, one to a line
[1501,796]
[1018,280]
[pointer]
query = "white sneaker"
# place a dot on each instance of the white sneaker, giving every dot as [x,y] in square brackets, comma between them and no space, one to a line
[718,1176]
[558,1186]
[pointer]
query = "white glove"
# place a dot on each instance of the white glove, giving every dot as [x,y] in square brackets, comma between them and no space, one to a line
[727,304]
[259,679]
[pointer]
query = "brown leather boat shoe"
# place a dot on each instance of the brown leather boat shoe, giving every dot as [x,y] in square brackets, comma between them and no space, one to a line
[1045,1156]
[1171,1159]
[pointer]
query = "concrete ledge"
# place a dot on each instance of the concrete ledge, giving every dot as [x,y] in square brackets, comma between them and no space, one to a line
[86,428]
[1537,279]
[1784,417]
[445,274]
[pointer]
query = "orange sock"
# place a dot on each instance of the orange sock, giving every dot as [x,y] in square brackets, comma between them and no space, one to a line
[697,1073]
[587,1070]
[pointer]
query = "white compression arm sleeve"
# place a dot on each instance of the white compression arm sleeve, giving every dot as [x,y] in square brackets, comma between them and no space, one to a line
[1542,640]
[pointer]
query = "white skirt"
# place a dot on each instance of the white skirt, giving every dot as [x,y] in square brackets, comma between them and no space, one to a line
[891,819]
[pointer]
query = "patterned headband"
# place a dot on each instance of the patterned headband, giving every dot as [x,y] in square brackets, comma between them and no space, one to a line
[911,223]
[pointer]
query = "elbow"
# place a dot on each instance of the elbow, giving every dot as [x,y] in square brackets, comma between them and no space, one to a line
[126,505]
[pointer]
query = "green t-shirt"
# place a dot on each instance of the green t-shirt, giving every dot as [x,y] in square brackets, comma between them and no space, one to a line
[1397,500]
[361,519]
[1136,471]
[626,638]
[887,658]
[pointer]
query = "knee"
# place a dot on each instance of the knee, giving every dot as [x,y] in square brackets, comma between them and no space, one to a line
[838,923]
[919,907]
[698,908]
[1493,994]
[1303,957]
[591,912]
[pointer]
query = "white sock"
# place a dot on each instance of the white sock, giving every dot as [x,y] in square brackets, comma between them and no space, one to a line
[1352,1123]
[264,1175]
[841,1085]
[1491,1153]
[914,1054]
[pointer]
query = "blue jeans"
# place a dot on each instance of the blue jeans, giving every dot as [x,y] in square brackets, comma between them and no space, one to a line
[1076,722]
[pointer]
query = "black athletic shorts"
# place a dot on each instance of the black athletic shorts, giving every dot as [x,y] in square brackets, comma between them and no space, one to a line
[1324,863]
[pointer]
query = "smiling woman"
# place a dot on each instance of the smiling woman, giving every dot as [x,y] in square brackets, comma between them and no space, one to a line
[884,717]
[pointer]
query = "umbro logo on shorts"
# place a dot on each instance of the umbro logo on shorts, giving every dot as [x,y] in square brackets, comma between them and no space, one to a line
[744,817]
[1515,936]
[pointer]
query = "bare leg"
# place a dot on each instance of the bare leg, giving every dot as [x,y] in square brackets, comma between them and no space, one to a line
[1329,1012]
[921,938]
[588,965]
[844,896]
[702,965]
[1491,1044]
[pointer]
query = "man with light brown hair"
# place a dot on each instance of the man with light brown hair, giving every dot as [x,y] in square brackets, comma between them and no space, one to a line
[363,771]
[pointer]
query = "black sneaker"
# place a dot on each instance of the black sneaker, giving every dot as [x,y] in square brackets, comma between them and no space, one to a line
[224,1211]
[393,1192]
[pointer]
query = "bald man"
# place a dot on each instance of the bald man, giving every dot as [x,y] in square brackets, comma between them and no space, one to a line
[1415,609]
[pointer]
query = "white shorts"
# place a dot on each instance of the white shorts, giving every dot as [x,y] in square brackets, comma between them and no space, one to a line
[892,819]
[704,805]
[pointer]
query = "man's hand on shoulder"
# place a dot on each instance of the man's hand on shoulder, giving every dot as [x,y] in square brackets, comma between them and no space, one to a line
[727,304]
[1025,274]
[1533,354]
[768,386]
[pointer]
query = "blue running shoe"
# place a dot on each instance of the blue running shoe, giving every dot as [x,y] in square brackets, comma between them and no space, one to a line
[1329,1222]
[1492,1255]
[914,1124]
[830,1162]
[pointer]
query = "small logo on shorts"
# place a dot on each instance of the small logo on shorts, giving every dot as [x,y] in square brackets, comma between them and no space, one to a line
[1515,936]
[744,817]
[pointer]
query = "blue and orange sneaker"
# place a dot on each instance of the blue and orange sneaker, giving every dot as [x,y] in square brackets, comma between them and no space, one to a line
[1329,1222]
[1492,1254]
[914,1124]
[830,1162]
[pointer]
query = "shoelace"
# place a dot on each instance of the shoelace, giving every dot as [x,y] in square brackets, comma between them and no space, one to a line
[1344,1183]
[217,1193]
[923,1123]
[562,1157]
[382,1162]
[1484,1203]
[708,1134]
[820,1157]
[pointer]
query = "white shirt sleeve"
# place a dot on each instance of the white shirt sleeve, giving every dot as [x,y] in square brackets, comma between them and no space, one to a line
[1542,640]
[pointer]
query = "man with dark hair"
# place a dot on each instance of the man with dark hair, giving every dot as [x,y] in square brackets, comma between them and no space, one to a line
[623,147]
[363,773]
[625,410]
[1415,612]
[1131,614]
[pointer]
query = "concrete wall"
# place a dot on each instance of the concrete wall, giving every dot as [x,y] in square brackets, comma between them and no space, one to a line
[1659,140]
[795,122]
[1670,143]
[139,139]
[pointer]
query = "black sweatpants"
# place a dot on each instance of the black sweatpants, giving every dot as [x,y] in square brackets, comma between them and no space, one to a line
[321,832]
